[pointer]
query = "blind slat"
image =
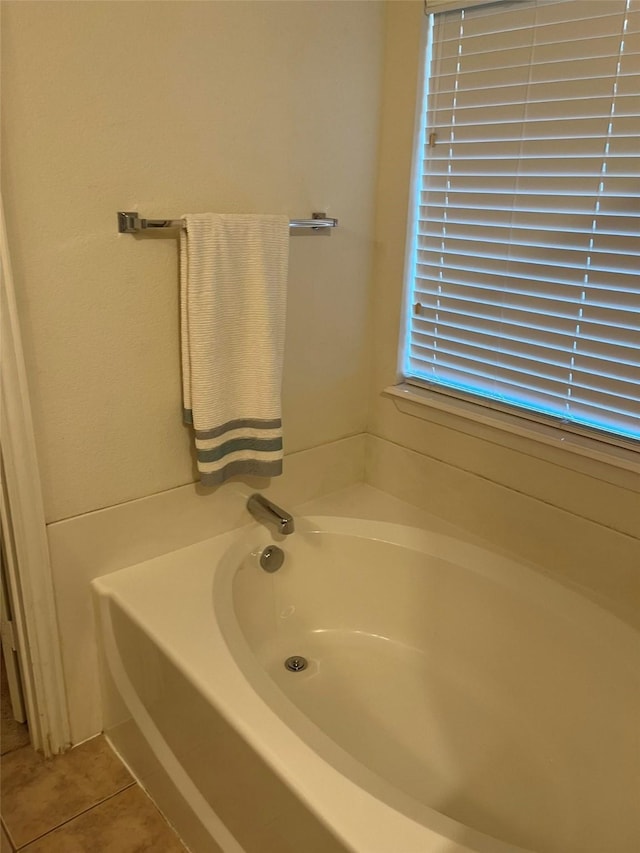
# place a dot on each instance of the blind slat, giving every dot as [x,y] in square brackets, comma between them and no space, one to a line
[594,364]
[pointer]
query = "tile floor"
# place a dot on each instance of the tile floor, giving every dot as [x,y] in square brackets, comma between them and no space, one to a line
[84,801]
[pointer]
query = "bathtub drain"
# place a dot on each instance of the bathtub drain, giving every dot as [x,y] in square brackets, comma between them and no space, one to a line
[296,663]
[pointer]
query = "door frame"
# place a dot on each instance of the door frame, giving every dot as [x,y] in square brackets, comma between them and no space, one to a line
[28,567]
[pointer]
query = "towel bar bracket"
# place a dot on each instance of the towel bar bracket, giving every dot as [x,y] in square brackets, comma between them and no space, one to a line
[129,222]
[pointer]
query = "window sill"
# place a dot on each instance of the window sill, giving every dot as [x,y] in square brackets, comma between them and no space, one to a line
[420,402]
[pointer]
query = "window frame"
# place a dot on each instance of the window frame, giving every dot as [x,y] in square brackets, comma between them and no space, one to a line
[412,394]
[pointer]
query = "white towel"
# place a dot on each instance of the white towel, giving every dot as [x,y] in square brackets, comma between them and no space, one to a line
[233,277]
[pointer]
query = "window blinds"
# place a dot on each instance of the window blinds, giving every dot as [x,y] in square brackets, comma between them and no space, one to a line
[525,270]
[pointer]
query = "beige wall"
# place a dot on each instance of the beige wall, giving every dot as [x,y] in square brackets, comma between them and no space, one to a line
[167,108]
[524,496]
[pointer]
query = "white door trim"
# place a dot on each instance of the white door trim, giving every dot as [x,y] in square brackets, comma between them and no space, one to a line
[24,530]
[10,648]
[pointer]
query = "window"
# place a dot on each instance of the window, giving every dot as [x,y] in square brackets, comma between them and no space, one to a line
[524,269]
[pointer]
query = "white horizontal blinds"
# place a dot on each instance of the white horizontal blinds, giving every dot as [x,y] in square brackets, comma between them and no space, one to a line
[527,268]
[610,318]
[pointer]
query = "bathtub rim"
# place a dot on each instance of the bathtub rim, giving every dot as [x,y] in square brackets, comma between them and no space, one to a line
[246,702]
[519,578]
[324,790]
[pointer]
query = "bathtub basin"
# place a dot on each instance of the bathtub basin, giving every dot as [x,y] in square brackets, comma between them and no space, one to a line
[453,700]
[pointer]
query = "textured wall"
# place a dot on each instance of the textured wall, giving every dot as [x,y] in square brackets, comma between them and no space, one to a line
[167,108]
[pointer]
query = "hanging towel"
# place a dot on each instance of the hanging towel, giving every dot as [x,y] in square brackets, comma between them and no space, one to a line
[233,276]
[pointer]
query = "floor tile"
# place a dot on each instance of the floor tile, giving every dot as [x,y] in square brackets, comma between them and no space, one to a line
[40,795]
[5,844]
[125,823]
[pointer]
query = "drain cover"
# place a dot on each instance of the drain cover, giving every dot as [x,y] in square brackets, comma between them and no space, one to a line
[296,663]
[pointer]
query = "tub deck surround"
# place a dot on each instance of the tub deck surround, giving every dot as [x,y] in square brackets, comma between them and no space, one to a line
[92,545]
[523,740]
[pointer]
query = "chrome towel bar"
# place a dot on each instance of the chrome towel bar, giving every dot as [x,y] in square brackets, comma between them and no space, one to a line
[129,222]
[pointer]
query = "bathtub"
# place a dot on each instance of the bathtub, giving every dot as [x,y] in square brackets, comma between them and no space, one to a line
[453,700]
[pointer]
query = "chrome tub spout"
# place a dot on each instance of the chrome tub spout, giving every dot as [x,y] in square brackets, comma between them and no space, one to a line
[263,510]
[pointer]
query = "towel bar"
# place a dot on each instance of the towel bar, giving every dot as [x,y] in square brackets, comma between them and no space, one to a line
[129,222]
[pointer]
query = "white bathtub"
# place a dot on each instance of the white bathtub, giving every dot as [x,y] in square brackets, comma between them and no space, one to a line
[453,701]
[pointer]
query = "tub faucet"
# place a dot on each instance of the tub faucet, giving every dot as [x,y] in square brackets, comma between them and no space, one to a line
[262,509]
